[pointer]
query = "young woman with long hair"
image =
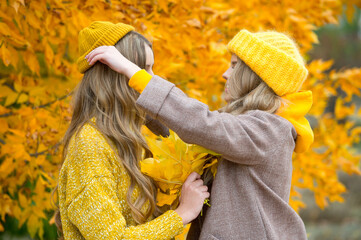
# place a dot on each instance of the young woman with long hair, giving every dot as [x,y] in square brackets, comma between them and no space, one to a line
[257,132]
[102,192]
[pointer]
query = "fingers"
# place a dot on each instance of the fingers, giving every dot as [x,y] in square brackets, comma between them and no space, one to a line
[203,188]
[197,183]
[206,195]
[96,51]
[191,178]
[96,58]
[99,50]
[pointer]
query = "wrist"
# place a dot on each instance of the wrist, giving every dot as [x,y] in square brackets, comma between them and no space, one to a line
[186,218]
[131,70]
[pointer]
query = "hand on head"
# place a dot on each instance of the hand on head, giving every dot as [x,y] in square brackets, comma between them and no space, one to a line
[192,198]
[110,56]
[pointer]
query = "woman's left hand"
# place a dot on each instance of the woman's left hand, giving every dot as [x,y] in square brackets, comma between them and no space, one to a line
[110,56]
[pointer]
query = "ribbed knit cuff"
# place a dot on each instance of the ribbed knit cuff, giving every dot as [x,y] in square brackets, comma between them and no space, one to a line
[140,80]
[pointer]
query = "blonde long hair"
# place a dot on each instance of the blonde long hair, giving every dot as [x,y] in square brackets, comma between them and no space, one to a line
[105,95]
[248,91]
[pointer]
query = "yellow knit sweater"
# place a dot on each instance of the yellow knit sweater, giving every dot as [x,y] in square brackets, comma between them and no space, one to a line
[92,195]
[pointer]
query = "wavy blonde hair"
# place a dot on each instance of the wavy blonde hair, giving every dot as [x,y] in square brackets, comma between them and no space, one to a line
[105,95]
[248,91]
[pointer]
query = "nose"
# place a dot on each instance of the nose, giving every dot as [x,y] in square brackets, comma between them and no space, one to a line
[227,73]
[225,76]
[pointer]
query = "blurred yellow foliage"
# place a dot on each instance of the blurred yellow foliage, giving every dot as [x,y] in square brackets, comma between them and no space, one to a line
[38,49]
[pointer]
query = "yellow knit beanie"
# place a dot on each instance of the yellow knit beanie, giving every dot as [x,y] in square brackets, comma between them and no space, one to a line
[97,34]
[274,57]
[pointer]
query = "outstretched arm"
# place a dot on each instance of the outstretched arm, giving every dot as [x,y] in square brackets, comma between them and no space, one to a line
[244,139]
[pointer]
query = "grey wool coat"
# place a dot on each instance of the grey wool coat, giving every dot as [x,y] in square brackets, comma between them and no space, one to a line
[250,193]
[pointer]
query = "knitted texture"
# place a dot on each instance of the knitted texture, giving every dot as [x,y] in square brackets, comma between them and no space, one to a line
[140,80]
[93,187]
[99,33]
[274,57]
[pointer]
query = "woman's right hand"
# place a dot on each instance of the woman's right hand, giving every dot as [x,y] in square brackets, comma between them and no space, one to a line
[192,198]
[110,56]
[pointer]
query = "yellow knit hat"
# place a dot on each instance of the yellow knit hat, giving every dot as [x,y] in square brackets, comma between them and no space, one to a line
[97,34]
[274,57]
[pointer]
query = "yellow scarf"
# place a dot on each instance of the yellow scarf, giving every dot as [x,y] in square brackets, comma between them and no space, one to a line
[296,107]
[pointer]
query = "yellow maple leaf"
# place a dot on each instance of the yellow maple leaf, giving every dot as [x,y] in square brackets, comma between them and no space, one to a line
[173,160]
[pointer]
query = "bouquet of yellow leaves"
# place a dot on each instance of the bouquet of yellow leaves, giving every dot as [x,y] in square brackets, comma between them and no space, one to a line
[173,160]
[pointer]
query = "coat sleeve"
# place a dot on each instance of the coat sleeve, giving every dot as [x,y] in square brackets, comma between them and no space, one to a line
[245,139]
[156,127]
[92,202]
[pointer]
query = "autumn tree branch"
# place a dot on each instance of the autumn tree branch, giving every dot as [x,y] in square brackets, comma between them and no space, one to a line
[41,106]
[45,151]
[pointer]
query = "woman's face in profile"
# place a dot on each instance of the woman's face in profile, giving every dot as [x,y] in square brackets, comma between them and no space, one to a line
[149,61]
[226,75]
